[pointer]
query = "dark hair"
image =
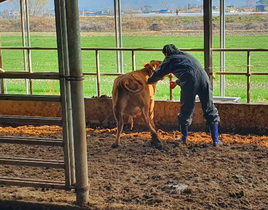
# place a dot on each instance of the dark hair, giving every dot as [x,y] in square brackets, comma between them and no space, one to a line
[170,49]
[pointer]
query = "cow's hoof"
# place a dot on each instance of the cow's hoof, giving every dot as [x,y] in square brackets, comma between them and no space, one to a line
[157,144]
[115,145]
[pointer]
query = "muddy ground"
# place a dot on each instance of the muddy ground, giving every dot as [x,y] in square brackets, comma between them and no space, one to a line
[137,176]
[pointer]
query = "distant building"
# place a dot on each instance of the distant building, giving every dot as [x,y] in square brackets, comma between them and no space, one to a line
[88,13]
[164,10]
[260,8]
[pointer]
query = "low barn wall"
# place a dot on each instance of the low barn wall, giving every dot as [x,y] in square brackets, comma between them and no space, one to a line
[235,117]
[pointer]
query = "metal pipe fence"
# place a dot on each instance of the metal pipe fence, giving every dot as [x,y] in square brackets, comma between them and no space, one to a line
[98,74]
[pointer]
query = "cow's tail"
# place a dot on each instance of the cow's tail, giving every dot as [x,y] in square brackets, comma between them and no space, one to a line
[132,84]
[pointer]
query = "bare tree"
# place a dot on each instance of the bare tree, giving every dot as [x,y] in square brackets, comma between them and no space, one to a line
[36,7]
[146,8]
[250,2]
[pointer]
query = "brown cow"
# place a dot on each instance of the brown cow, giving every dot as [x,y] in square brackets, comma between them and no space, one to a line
[131,95]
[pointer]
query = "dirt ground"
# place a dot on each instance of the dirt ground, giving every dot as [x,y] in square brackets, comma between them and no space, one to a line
[137,176]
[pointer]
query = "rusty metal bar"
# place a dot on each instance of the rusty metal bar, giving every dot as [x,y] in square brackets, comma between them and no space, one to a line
[30,120]
[32,182]
[31,141]
[248,77]
[98,72]
[19,97]
[32,162]
[259,73]
[2,87]
[27,75]
[231,73]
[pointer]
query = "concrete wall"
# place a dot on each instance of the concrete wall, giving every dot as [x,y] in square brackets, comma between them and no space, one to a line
[235,117]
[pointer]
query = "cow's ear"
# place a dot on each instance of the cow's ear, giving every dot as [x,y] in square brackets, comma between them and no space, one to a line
[144,64]
[154,66]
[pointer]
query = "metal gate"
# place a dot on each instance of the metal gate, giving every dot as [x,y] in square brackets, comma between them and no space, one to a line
[72,106]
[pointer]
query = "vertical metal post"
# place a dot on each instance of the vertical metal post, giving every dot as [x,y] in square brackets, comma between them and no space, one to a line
[98,72]
[207,6]
[133,60]
[22,12]
[2,88]
[118,34]
[222,45]
[78,104]
[29,56]
[170,89]
[248,76]
[65,89]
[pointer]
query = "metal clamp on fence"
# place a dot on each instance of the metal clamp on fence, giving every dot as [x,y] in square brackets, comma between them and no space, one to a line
[73,78]
[82,189]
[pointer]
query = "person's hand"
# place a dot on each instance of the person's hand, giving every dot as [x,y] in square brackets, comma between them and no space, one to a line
[172,84]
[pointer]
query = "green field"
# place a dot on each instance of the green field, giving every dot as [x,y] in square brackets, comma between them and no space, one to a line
[236,86]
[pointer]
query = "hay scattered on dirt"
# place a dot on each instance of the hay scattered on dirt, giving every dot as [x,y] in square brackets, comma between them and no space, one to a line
[137,176]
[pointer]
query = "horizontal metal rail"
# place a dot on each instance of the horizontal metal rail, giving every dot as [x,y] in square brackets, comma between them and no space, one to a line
[102,74]
[32,162]
[27,48]
[28,75]
[32,182]
[240,50]
[94,49]
[30,120]
[247,73]
[22,97]
[31,141]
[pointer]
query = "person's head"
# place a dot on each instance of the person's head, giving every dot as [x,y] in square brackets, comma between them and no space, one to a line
[170,49]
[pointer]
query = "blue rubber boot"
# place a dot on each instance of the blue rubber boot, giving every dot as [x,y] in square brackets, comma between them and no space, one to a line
[184,132]
[214,130]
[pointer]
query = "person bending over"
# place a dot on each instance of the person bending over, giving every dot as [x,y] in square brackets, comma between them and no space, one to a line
[193,80]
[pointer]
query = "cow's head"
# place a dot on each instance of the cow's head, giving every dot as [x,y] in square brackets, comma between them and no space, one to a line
[152,66]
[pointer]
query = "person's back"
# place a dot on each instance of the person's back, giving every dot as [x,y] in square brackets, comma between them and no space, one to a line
[193,80]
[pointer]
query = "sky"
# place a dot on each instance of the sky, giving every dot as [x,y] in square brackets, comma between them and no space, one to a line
[134,4]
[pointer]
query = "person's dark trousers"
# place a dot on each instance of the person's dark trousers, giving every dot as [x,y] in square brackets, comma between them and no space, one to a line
[184,132]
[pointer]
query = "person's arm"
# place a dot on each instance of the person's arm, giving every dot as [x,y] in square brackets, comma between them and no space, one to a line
[162,71]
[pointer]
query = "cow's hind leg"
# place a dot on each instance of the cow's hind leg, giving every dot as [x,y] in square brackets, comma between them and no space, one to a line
[155,142]
[119,124]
